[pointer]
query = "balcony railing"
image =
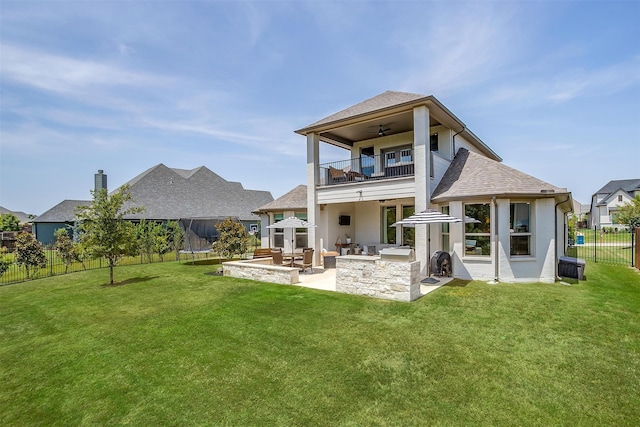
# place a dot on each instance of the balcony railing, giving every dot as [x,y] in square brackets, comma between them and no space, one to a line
[395,164]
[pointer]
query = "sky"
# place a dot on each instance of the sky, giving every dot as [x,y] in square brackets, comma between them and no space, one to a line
[553,87]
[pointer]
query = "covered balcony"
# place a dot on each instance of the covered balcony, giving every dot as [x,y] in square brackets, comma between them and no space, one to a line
[390,164]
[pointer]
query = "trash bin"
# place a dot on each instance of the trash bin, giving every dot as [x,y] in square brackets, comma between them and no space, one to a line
[571,267]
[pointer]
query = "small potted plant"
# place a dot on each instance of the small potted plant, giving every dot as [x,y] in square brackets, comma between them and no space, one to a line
[348,239]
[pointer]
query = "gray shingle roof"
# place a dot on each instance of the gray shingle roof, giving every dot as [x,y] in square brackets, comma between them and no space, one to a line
[628,185]
[168,193]
[293,200]
[22,217]
[62,212]
[386,99]
[472,174]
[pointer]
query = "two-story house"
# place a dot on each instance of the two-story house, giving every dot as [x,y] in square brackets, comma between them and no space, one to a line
[405,153]
[606,202]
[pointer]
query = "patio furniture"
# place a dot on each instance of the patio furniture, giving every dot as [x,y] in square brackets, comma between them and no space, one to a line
[336,175]
[307,260]
[276,254]
[262,253]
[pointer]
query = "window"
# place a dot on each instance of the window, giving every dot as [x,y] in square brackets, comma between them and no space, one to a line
[388,218]
[619,197]
[278,233]
[408,233]
[398,155]
[367,161]
[302,236]
[477,233]
[520,226]
[445,231]
[433,142]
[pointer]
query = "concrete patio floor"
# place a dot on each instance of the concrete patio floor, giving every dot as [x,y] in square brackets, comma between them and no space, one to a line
[325,279]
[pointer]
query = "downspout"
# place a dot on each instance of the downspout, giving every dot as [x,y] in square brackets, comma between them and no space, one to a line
[453,140]
[496,273]
[555,223]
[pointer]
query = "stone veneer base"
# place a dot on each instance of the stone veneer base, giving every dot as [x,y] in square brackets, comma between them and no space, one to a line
[261,269]
[371,276]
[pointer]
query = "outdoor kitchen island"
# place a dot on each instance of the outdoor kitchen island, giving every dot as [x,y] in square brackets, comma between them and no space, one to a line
[394,275]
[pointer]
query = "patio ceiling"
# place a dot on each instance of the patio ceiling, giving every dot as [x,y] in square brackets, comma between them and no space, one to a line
[345,136]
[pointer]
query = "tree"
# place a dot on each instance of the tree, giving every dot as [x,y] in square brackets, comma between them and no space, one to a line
[233,239]
[146,233]
[104,231]
[29,253]
[175,237]
[67,251]
[4,263]
[9,222]
[629,213]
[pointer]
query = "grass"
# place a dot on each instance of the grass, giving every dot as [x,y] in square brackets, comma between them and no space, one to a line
[171,345]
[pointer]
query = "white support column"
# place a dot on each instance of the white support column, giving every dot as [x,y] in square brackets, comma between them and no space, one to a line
[313,209]
[422,170]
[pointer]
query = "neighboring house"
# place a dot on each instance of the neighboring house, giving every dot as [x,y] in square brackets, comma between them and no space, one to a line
[198,198]
[61,215]
[293,203]
[606,202]
[407,152]
[22,217]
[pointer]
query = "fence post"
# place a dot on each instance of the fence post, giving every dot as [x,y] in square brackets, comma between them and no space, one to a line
[635,246]
[595,243]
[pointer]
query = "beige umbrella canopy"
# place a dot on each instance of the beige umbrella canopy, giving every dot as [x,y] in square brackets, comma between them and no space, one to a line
[291,223]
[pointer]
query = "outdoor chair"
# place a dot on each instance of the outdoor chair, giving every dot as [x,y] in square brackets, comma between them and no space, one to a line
[276,255]
[307,260]
[336,175]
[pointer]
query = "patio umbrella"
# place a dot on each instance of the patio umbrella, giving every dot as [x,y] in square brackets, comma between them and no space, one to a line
[430,216]
[291,223]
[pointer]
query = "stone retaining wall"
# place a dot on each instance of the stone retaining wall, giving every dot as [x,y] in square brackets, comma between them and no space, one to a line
[263,270]
[368,275]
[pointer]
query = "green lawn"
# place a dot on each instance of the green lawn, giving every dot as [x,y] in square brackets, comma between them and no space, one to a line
[172,345]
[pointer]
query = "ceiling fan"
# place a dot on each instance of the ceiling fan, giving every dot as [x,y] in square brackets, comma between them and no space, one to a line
[381,130]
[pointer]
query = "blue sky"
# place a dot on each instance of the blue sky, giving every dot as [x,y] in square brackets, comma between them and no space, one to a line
[552,86]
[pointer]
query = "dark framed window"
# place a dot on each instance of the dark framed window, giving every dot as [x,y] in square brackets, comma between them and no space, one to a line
[388,218]
[408,233]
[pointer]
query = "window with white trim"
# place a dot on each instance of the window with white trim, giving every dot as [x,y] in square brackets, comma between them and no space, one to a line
[302,236]
[520,228]
[477,231]
[445,231]
[278,233]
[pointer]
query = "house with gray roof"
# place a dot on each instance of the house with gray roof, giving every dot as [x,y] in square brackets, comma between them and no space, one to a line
[22,217]
[198,198]
[606,202]
[405,153]
[291,204]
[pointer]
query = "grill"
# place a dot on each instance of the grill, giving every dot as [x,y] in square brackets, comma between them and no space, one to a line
[440,264]
[397,254]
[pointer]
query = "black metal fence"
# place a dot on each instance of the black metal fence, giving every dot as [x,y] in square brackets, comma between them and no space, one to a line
[606,245]
[56,265]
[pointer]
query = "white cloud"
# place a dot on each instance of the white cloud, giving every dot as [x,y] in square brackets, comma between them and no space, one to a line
[65,74]
[457,48]
[599,81]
